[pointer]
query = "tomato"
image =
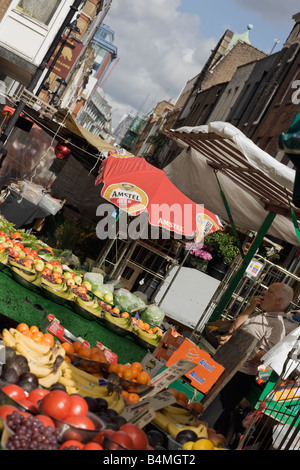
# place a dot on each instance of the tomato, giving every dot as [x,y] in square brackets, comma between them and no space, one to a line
[14,391]
[82,422]
[56,404]
[7,410]
[27,250]
[71,442]
[37,394]
[20,245]
[122,438]
[33,253]
[92,446]
[101,435]
[46,420]
[138,436]
[2,233]
[79,406]
[29,405]
[16,235]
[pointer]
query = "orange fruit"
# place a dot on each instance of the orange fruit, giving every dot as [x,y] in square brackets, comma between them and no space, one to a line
[138,365]
[125,394]
[68,347]
[133,398]
[182,396]
[85,352]
[135,371]
[122,368]
[127,374]
[125,315]
[37,337]
[146,326]
[67,359]
[142,378]
[113,367]
[77,346]
[97,355]
[34,329]
[198,407]
[116,310]
[48,339]
[27,333]
[22,327]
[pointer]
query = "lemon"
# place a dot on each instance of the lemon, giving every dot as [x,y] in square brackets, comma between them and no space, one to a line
[188,445]
[203,444]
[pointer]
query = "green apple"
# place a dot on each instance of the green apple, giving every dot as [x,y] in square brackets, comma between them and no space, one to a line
[108,297]
[67,275]
[70,281]
[77,280]
[39,265]
[22,254]
[87,284]
[57,269]
[99,294]
[49,266]
[2,239]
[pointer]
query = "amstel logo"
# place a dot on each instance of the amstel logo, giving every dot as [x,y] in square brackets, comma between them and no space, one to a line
[128,197]
[205,225]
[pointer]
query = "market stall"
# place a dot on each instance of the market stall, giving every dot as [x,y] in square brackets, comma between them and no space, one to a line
[54,319]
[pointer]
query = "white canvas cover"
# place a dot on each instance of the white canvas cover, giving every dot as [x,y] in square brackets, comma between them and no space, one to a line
[191,173]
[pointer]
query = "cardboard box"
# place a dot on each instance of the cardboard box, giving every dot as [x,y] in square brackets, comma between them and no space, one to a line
[174,346]
[204,375]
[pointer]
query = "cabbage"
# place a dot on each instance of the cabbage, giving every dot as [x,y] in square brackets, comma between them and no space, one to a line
[127,301]
[96,279]
[153,315]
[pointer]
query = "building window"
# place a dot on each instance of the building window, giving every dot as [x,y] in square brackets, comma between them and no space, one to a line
[40,10]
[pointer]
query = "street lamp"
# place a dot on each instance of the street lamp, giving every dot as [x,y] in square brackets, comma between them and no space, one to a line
[71,28]
[276,41]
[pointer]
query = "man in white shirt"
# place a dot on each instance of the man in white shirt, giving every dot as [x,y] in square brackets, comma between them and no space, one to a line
[269,327]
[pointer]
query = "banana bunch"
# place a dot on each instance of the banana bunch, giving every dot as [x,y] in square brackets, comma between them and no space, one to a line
[78,381]
[151,338]
[172,420]
[43,361]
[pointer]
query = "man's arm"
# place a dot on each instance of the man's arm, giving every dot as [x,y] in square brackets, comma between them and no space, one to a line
[240,320]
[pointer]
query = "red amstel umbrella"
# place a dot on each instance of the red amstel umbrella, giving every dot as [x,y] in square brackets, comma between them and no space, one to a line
[135,186]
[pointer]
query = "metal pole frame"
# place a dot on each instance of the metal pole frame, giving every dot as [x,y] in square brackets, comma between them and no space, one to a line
[247,259]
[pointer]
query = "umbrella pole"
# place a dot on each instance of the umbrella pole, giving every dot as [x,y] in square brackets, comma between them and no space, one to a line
[247,259]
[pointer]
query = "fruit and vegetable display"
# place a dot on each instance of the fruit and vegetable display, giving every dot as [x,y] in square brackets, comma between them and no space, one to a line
[57,395]
[48,403]
[34,265]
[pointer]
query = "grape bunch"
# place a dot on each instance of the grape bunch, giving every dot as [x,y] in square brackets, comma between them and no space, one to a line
[49,278]
[30,433]
[81,295]
[20,261]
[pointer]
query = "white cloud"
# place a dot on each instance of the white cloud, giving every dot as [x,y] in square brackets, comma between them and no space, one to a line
[158,50]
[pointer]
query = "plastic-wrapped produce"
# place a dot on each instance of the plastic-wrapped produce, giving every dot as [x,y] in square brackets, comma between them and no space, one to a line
[152,315]
[128,301]
[96,279]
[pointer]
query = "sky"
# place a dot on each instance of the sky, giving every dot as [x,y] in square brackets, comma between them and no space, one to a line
[164,43]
